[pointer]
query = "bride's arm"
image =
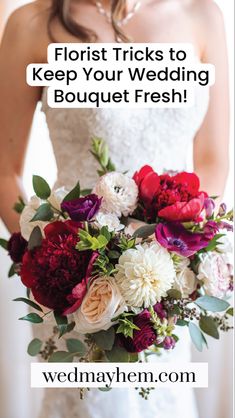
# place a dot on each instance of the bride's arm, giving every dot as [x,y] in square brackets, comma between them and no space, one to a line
[17,106]
[211,146]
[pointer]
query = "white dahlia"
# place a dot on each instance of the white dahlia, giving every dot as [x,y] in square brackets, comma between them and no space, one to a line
[215,271]
[145,274]
[119,193]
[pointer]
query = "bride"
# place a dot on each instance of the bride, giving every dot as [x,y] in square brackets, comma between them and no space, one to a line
[159,137]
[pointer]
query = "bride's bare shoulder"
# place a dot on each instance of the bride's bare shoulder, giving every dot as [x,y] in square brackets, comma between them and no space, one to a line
[207,10]
[27,25]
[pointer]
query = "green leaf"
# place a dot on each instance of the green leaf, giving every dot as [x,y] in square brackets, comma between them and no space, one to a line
[62,324]
[105,232]
[105,339]
[182,323]
[29,302]
[208,325]
[145,231]
[174,294]
[74,194]
[118,355]
[86,192]
[12,271]
[196,336]
[212,304]
[61,357]
[76,346]
[43,213]
[35,239]
[34,347]
[19,206]
[230,312]
[102,240]
[41,187]
[114,255]
[32,317]
[3,243]
[105,389]
[213,243]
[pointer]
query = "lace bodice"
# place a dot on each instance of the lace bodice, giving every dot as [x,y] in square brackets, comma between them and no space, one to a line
[161,138]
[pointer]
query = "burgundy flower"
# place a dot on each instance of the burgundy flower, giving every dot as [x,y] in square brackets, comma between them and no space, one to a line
[160,311]
[176,238]
[169,343]
[210,229]
[142,338]
[55,268]
[82,209]
[16,247]
[173,198]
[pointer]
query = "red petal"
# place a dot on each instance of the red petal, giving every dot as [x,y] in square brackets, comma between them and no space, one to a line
[58,227]
[182,211]
[149,186]
[139,175]
[190,180]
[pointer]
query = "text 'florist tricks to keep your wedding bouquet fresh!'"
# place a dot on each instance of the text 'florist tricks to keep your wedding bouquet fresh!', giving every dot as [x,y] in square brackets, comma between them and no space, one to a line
[118,268]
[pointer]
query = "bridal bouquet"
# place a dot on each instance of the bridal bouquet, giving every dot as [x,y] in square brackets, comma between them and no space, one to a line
[119,267]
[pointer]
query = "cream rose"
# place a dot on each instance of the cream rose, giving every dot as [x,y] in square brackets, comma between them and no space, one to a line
[102,303]
[26,226]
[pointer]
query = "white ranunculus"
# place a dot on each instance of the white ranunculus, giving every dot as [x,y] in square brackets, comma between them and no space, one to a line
[57,197]
[102,303]
[185,280]
[110,220]
[119,193]
[29,211]
[215,272]
[145,274]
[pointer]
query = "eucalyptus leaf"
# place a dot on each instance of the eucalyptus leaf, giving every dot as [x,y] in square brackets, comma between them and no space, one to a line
[208,325]
[118,355]
[41,187]
[196,336]
[182,323]
[29,302]
[3,243]
[35,238]
[34,347]
[62,324]
[61,357]
[145,231]
[76,346]
[43,213]
[105,339]
[74,194]
[212,304]
[32,317]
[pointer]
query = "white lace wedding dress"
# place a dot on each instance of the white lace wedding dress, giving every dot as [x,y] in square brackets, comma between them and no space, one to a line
[161,138]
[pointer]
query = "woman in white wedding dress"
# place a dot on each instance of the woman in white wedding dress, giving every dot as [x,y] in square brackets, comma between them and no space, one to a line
[159,137]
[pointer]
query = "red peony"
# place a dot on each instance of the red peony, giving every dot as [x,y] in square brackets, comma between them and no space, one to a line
[173,198]
[142,338]
[56,272]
